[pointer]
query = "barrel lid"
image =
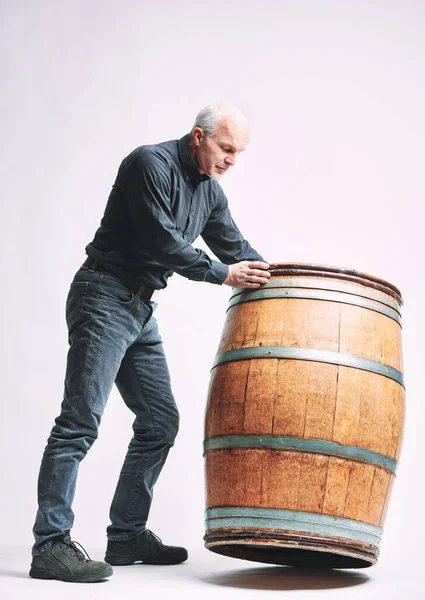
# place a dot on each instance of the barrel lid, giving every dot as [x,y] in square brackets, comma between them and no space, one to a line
[314,270]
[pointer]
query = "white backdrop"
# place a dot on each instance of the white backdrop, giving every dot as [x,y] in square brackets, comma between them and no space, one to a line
[333,174]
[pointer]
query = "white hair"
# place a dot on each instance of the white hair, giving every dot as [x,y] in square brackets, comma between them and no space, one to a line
[209,117]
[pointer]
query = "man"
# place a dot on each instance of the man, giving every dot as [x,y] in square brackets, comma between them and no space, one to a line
[164,197]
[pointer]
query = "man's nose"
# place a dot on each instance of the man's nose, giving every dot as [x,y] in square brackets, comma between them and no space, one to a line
[231,159]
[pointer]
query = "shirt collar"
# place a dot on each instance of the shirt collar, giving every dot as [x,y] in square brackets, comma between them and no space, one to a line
[190,169]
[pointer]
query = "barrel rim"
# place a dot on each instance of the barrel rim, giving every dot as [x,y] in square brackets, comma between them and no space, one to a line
[319,270]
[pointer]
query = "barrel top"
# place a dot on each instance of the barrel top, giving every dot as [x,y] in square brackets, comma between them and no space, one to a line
[314,270]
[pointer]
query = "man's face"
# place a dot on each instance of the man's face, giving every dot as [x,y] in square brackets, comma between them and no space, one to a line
[216,154]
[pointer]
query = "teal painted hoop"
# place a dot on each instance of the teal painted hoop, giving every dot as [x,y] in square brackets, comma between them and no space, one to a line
[314,446]
[292,521]
[324,295]
[309,354]
[324,285]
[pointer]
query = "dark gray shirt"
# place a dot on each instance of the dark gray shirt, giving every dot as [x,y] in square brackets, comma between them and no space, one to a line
[159,204]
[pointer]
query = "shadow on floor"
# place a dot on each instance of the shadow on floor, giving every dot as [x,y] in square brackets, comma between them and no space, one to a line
[286,578]
[14,573]
[24,575]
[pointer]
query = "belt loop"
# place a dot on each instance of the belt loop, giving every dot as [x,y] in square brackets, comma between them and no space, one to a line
[91,263]
[144,292]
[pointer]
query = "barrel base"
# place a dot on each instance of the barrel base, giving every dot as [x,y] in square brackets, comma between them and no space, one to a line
[295,550]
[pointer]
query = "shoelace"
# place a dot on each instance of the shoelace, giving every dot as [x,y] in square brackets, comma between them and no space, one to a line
[154,536]
[82,555]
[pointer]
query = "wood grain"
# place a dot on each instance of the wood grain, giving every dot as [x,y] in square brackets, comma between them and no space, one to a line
[307,399]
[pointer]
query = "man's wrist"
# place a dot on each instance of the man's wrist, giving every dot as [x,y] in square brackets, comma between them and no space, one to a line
[217,273]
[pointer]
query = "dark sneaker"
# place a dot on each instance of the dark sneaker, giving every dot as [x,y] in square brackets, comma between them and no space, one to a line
[145,547]
[66,562]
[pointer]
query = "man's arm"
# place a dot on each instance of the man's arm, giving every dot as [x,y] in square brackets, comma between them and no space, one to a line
[147,186]
[223,236]
[247,268]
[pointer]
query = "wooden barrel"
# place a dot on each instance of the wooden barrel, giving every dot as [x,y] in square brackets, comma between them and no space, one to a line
[305,419]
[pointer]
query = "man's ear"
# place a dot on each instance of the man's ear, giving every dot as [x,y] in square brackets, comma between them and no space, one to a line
[197,134]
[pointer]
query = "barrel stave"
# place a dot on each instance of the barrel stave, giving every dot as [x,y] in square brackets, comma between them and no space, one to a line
[314,324]
[314,428]
[312,483]
[307,399]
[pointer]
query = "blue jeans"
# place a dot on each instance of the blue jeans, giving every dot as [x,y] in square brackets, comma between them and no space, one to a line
[113,337]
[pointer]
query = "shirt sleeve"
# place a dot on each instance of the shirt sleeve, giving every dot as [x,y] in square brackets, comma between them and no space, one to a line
[222,235]
[146,183]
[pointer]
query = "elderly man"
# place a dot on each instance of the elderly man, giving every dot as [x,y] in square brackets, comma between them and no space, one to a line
[165,196]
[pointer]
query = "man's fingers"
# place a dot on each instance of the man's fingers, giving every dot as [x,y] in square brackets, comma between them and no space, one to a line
[248,274]
[252,285]
[258,265]
[253,279]
[258,273]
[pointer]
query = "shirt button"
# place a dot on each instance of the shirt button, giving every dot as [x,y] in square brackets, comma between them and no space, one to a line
[187,177]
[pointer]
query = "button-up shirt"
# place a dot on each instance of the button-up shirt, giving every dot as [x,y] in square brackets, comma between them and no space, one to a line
[159,204]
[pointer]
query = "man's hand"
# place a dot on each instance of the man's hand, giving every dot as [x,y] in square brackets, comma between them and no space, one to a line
[247,274]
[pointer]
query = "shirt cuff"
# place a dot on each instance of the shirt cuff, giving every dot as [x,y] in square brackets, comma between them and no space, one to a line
[217,273]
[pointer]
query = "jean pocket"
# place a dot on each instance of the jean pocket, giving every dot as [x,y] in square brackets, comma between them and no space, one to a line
[75,301]
[114,291]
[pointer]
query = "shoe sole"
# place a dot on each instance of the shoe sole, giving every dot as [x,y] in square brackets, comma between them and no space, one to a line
[122,561]
[46,574]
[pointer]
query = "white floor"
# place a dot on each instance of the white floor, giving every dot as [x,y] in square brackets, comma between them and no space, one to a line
[206,575]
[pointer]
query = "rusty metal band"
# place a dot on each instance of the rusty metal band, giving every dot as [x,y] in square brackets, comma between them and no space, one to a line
[292,521]
[309,354]
[306,294]
[330,285]
[276,442]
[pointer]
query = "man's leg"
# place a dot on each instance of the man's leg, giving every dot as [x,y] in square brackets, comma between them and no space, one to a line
[144,383]
[102,323]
